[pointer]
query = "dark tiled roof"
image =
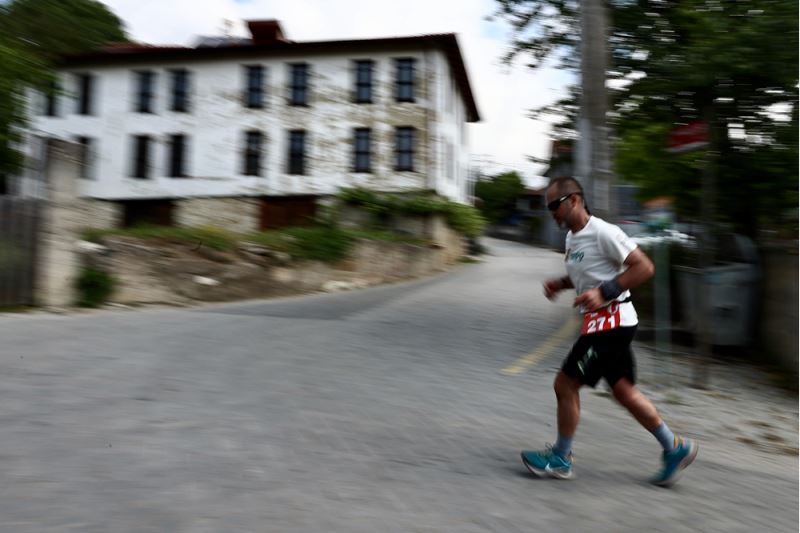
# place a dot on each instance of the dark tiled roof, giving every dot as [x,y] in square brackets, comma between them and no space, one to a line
[128,48]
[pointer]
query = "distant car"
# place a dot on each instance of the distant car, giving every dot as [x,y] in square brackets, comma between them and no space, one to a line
[667,235]
[631,227]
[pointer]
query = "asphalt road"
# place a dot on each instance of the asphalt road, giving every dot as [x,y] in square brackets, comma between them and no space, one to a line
[389,409]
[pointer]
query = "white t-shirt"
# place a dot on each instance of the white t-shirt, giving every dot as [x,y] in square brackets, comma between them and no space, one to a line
[595,254]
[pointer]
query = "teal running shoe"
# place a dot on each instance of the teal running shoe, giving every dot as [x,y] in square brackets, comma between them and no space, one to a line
[675,461]
[547,463]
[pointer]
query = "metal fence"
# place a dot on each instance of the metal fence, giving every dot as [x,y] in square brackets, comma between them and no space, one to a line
[20,219]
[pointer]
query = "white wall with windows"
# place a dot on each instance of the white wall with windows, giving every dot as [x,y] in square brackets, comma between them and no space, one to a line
[451,135]
[222,128]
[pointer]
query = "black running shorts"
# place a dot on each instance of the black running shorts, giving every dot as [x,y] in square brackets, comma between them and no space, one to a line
[602,355]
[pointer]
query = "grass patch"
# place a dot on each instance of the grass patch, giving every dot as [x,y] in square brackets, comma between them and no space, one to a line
[16,308]
[319,243]
[215,238]
[324,243]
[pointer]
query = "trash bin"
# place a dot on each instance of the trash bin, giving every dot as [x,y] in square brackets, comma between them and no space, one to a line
[731,303]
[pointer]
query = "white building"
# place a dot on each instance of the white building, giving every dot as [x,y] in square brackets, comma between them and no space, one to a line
[258,129]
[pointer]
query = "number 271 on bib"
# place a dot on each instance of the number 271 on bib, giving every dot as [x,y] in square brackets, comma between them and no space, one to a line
[603,319]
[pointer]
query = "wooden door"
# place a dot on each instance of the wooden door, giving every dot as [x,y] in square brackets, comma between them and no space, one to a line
[284,211]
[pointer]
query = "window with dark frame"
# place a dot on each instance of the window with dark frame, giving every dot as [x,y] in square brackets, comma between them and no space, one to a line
[177,156]
[362,150]
[297,152]
[180,90]
[298,84]
[145,91]
[141,157]
[85,156]
[404,148]
[253,143]
[254,94]
[153,212]
[85,84]
[51,99]
[405,79]
[363,92]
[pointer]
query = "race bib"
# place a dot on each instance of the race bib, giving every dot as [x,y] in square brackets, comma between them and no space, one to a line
[603,319]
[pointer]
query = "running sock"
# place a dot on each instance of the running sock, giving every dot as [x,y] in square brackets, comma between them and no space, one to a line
[665,437]
[563,446]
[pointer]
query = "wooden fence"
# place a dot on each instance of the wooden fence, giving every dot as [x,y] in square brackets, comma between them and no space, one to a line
[20,220]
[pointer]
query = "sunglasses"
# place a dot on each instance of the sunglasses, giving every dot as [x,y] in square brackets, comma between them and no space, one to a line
[555,204]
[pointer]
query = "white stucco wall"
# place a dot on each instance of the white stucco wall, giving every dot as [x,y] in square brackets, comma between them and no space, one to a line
[451,134]
[217,122]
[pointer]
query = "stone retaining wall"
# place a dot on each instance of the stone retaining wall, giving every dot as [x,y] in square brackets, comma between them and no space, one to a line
[178,274]
[239,215]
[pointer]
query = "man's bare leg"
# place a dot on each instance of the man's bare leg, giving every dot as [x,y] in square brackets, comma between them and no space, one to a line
[632,399]
[678,452]
[569,403]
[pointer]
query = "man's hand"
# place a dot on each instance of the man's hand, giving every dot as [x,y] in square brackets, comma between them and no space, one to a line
[552,287]
[591,300]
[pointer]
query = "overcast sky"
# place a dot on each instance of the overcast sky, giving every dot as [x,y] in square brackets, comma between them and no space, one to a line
[505,136]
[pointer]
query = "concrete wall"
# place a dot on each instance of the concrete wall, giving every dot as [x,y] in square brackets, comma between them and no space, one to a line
[449,241]
[63,217]
[217,122]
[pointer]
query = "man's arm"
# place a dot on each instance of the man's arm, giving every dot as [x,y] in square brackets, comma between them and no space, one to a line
[639,270]
[553,286]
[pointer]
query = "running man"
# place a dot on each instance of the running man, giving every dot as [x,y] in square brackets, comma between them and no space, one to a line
[603,264]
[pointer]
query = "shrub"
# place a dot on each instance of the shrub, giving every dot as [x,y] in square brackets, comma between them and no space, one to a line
[94,287]
[318,243]
[463,218]
[466,219]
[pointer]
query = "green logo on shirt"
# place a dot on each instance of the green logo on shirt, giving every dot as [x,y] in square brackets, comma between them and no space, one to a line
[574,257]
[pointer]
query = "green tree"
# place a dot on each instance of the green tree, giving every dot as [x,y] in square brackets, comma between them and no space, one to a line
[18,69]
[731,63]
[55,28]
[499,195]
[33,35]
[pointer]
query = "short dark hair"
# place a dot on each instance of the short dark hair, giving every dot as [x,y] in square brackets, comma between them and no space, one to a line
[566,185]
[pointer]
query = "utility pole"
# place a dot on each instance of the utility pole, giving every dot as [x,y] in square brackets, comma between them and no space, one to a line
[705,326]
[593,157]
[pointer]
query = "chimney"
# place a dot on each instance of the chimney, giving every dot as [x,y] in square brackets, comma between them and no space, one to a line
[266,32]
